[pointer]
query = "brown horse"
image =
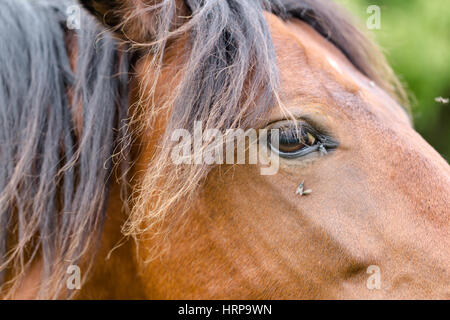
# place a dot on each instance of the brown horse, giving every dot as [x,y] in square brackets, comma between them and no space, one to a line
[377,197]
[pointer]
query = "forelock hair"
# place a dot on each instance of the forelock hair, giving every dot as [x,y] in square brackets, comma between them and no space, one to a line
[54,178]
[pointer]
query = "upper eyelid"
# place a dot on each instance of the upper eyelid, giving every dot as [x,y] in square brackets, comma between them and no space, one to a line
[301,125]
[290,124]
[295,117]
[281,120]
[311,124]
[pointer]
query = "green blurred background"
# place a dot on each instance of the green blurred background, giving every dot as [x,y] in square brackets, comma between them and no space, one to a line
[415,35]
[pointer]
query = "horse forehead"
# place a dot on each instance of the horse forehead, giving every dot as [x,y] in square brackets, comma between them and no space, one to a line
[313,70]
[302,51]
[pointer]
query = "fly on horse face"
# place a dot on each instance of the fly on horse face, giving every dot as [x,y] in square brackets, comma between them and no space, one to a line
[87,181]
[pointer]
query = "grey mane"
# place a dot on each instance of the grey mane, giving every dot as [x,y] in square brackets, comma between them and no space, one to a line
[53,177]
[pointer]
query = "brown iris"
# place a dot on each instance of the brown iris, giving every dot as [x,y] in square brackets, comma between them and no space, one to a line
[294,139]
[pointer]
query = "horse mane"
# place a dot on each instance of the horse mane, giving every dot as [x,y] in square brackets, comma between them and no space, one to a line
[54,179]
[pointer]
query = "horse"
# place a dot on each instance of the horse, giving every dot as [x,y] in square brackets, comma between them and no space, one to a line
[359,205]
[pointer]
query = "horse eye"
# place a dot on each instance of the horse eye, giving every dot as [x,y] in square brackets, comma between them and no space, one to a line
[299,139]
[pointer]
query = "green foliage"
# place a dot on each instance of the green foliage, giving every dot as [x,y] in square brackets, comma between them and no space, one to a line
[415,35]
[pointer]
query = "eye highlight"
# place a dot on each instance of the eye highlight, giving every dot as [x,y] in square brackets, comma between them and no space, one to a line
[299,138]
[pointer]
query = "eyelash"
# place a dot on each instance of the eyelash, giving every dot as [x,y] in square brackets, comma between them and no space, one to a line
[292,134]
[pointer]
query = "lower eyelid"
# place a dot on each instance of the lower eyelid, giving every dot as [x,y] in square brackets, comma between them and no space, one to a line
[298,154]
